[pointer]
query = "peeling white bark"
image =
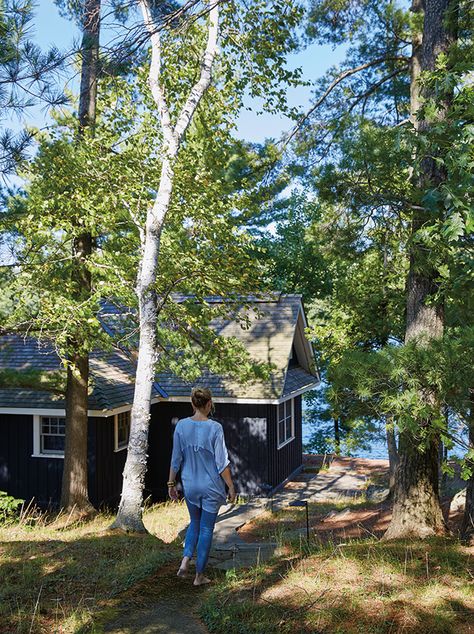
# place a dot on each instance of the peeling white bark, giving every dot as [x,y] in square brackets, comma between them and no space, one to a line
[130,511]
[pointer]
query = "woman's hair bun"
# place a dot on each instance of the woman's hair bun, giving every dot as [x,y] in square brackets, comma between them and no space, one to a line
[200,397]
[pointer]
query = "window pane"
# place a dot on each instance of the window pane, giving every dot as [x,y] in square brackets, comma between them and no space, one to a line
[281,411]
[288,427]
[123,428]
[53,444]
[281,432]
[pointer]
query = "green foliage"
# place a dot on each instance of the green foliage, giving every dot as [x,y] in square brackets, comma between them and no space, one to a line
[9,507]
[391,383]
[103,182]
[27,77]
[348,249]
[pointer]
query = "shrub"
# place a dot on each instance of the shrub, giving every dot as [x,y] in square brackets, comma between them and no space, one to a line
[9,507]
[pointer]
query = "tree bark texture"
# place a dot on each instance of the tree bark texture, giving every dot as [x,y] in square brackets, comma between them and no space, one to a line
[393,459]
[337,437]
[467,529]
[129,515]
[417,510]
[74,492]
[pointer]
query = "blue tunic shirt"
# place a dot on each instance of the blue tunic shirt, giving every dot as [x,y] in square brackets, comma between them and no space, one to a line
[199,451]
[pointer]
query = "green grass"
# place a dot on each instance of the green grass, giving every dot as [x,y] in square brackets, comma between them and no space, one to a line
[347,586]
[365,586]
[61,580]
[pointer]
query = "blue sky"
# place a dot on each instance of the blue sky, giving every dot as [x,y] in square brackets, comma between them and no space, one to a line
[51,29]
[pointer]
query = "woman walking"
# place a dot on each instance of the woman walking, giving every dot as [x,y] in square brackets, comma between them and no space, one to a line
[199,451]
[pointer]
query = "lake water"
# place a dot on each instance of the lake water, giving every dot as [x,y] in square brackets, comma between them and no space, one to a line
[378,448]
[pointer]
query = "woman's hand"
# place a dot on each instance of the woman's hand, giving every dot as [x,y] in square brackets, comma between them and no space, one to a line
[173,493]
[231,494]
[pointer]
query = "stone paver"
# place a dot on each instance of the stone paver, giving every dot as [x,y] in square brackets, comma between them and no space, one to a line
[231,551]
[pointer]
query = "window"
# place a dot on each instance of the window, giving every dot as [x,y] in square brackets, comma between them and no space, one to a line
[52,434]
[286,422]
[122,430]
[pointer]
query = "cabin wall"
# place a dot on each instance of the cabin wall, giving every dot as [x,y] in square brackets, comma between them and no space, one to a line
[105,465]
[160,445]
[250,433]
[285,461]
[245,429]
[25,476]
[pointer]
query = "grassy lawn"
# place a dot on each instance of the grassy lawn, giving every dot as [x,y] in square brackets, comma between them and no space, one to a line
[343,585]
[76,579]
[70,580]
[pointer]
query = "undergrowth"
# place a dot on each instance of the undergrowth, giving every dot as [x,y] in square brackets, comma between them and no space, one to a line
[60,580]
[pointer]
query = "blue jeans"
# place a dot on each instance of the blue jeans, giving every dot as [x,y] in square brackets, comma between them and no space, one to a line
[199,534]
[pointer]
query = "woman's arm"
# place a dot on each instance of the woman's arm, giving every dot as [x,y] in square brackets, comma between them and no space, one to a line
[176,461]
[172,491]
[227,477]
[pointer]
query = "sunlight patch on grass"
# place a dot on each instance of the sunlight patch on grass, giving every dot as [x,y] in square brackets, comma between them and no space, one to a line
[422,587]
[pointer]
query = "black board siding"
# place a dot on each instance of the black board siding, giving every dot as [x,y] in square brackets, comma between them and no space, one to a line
[160,444]
[106,469]
[245,430]
[27,477]
[285,461]
[250,433]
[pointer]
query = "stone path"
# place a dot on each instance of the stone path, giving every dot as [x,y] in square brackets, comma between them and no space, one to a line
[176,602]
[231,551]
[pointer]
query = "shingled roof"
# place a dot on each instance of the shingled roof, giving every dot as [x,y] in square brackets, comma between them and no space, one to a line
[276,325]
[112,376]
[276,330]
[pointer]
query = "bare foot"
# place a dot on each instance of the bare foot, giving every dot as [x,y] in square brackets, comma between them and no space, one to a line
[201,580]
[184,568]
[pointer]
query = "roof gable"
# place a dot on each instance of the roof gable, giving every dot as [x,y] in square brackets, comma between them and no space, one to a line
[273,325]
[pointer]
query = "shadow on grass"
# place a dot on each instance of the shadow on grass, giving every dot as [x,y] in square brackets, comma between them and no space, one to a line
[51,583]
[365,586]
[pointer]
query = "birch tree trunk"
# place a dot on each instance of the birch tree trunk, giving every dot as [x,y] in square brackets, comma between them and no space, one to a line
[417,511]
[129,515]
[74,491]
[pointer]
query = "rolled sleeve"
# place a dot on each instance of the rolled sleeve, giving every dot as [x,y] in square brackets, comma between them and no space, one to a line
[220,451]
[177,454]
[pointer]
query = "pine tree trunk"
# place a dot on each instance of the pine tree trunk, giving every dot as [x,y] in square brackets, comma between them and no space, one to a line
[74,487]
[467,529]
[74,492]
[416,510]
[337,437]
[393,459]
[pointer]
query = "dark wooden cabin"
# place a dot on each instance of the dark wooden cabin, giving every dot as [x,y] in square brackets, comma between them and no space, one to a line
[262,421]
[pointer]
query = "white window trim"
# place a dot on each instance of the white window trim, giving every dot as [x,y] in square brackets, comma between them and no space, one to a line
[37,440]
[116,447]
[292,437]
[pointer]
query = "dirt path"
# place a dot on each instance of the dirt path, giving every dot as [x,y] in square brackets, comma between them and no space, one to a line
[160,603]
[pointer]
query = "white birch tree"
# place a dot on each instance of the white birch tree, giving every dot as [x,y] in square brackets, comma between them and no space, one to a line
[129,515]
